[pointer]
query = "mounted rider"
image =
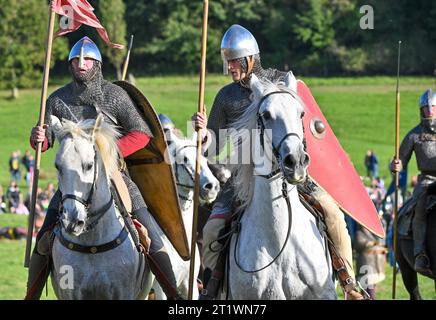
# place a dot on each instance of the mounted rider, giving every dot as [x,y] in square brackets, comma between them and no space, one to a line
[240,55]
[87,96]
[422,141]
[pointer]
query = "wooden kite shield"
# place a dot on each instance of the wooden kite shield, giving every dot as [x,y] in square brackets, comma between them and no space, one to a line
[151,170]
[331,169]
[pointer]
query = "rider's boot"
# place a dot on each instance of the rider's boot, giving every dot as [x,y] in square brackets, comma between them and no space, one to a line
[160,265]
[211,252]
[37,277]
[419,228]
[38,272]
[338,233]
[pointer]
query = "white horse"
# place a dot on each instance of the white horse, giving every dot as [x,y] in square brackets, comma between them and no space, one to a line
[278,252]
[183,157]
[93,256]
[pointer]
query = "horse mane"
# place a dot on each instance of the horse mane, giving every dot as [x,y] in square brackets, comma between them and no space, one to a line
[242,174]
[105,139]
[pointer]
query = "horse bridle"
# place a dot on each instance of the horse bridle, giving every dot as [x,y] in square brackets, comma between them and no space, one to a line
[189,172]
[261,125]
[88,202]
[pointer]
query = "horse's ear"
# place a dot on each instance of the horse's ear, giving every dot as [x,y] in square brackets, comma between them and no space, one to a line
[291,81]
[56,125]
[256,86]
[170,136]
[97,125]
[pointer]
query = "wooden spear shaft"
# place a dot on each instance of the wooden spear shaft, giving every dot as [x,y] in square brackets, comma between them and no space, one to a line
[397,157]
[126,63]
[199,149]
[31,220]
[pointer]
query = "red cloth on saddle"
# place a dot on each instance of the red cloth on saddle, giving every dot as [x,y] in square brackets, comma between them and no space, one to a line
[132,142]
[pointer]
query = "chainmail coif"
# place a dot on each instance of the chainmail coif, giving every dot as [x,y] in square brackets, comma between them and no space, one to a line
[88,95]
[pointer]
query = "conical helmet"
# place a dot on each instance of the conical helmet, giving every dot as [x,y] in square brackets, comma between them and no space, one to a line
[237,42]
[427,99]
[166,122]
[85,48]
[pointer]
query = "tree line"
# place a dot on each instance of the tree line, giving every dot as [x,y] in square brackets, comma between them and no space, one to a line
[310,37]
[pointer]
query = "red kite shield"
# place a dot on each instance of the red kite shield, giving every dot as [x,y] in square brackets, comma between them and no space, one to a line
[331,169]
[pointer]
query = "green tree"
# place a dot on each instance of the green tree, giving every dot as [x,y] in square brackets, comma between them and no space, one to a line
[23,34]
[112,18]
[168,33]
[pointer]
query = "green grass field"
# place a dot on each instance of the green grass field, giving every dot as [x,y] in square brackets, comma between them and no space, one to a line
[13,275]
[361,112]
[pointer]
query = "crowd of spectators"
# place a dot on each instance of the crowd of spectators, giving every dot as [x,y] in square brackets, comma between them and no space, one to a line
[16,197]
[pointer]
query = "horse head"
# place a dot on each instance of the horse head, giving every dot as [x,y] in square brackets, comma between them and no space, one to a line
[183,155]
[87,156]
[279,119]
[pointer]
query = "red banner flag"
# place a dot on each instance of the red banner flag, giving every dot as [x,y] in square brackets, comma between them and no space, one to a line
[78,12]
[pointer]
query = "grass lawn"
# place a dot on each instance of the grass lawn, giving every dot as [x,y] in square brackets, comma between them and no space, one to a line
[13,275]
[361,112]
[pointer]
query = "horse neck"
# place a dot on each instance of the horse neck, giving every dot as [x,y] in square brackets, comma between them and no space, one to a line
[268,208]
[110,224]
[187,200]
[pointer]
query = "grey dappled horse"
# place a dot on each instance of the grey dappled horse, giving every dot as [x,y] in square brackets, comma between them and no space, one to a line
[278,252]
[87,157]
[183,157]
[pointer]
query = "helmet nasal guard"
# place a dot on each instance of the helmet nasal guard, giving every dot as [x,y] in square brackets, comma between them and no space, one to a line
[85,48]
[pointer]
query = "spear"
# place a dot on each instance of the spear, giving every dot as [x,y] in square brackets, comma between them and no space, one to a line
[31,220]
[126,63]
[199,141]
[397,147]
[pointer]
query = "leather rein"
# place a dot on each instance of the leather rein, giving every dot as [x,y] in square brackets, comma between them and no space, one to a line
[280,170]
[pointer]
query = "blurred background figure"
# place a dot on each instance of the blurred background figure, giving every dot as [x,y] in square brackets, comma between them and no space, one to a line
[14,166]
[29,163]
[13,196]
[371,164]
[370,260]
[2,201]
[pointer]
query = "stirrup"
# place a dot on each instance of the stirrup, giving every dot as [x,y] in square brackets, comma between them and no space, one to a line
[204,295]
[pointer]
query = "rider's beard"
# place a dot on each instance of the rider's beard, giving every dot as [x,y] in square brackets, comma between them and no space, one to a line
[429,124]
[87,76]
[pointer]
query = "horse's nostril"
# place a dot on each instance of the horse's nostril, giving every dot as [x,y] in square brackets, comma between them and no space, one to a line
[208,186]
[306,159]
[289,162]
[80,223]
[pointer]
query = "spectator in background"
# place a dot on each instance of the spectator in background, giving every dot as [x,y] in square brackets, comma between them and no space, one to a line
[29,163]
[42,198]
[21,207]
[402,185]
[371,260]
[13,195]
[14,166]
[371,164]
[2,201]
[376,192]
[50,190]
